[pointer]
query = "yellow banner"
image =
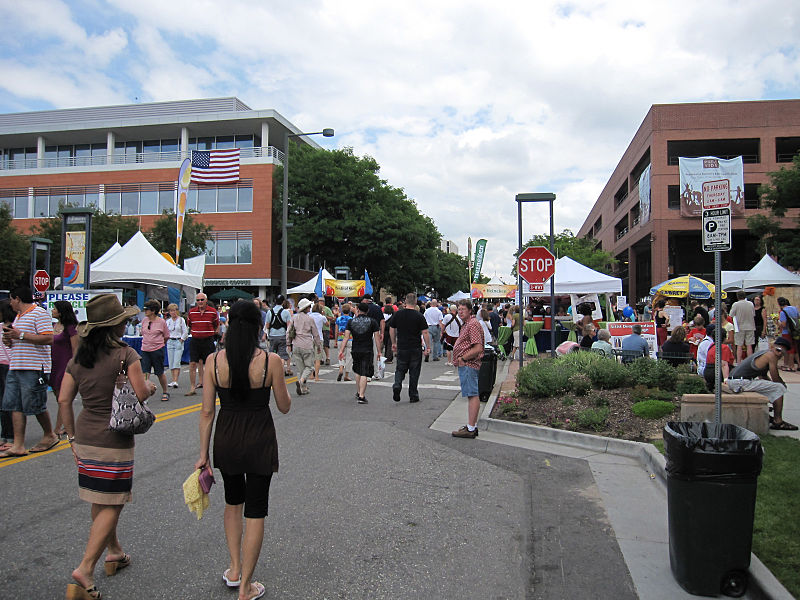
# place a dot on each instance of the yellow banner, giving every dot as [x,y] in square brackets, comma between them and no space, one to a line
[485,290]
[344,288]
[184,178]
[75,259]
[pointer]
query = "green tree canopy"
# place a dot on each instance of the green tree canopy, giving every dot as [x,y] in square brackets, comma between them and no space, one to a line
[778,197]
[193,241]
[342,212]
[450,274]
[15,266]
[579,249]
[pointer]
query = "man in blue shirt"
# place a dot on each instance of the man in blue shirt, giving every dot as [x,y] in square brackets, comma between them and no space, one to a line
[636,342]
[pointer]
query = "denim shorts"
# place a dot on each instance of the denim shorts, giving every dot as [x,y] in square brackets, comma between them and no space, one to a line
[154,358]
[24,393]
[469,381]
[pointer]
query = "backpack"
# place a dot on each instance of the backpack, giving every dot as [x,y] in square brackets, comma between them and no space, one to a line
[276,322]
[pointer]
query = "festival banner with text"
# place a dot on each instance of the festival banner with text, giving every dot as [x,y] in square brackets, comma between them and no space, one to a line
[488,290]
[697,171]
[344,288]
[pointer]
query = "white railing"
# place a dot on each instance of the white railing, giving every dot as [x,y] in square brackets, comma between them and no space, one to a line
[123,159]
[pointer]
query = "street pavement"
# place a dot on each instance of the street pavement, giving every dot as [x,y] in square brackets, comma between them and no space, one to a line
[370,502]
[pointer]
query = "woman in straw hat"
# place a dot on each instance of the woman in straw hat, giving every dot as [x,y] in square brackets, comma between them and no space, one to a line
[104,457]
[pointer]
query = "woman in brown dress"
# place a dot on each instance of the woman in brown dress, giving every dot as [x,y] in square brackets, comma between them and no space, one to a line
[104,457]
[245,446]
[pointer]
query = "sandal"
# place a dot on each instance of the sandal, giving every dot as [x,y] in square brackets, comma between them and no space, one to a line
[78,592]
[10,454]
[112,566]
[260,590]
[783,426]
[43,448]
[165,397]
[230,582]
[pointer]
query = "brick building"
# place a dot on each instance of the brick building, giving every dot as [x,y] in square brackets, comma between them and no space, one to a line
[765,133]
[126,158]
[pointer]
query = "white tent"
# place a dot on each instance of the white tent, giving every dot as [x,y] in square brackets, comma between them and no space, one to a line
[496,281]
[572,277]
[137,262]
[309,286]
[730,277]
[459,295]
[766,272]
[108,254]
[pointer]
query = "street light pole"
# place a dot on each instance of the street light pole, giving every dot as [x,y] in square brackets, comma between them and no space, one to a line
[328,132]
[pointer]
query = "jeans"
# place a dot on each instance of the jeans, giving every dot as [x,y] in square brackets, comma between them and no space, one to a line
[436,341]
[409,361]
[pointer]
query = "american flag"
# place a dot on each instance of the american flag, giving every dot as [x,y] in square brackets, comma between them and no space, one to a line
[215,166]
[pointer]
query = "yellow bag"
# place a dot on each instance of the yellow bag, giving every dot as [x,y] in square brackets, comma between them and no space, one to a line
[193,495]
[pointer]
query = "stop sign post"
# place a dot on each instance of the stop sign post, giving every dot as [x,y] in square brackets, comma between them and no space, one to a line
[41,281]
[536,265]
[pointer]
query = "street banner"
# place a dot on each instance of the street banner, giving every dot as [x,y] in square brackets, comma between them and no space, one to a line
[345,288]
[75,259]
[697,171]
[619,330]
[488,290]
[480,250]
[644,196]
[184,179]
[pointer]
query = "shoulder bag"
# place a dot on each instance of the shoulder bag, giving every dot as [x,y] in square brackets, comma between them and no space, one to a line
[128,414]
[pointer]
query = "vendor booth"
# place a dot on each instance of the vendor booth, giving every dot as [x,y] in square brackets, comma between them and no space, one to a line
[767,272]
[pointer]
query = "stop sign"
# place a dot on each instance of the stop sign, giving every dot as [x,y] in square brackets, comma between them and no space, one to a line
[41,280]
[536,264]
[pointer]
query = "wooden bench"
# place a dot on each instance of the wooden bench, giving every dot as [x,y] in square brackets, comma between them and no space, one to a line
[746,409]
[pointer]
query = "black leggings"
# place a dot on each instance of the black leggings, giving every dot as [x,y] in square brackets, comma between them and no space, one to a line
[249,489]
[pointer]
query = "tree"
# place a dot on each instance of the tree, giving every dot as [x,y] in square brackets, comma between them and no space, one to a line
[581,250]
[194,238]
[344,213]
[16,252]
[778,197]
[450,274]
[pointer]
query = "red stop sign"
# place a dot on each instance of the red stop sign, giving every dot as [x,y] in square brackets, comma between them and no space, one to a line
[536,264]
[41,280]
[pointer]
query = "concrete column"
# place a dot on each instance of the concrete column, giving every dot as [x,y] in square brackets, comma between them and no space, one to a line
[111,141]
[101,201]
[184,143]
[40,151]
[264,137]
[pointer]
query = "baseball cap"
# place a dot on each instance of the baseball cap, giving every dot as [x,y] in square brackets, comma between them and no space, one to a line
[783,342]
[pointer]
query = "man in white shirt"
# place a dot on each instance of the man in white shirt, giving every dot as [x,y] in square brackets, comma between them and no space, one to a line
[744,336]
[433,316]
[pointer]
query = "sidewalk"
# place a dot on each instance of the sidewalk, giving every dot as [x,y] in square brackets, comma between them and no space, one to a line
[632,484]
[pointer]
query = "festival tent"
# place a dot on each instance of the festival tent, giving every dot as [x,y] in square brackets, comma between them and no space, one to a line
[572,277]
[459,295]
[309,286]
[137,262]
[766,273]
[108,254]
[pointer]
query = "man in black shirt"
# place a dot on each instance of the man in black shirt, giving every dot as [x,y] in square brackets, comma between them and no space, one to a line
[362,329]
[374,312]
[405,328]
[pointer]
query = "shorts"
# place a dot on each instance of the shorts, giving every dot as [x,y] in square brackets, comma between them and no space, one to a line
[326,338]
[154,358]
[363,363]
[788,337]
[175,353]
[249,489]
[319,353]
[745,337]
[771,389]
[277,344]
[26,392]
[200,348]
[468,377]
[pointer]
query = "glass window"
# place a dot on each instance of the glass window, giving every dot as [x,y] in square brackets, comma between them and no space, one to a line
[130,203]
[205,143]
[210,252]
[170,145]
[207,200]
[133,147]
[92,199]
[119,148]
[21,207]
[65,151]
[166,200]
[245,199]
[191,199]
[112,202]
[51,151]
[245,251]
[98,154]
[152,146]
[40,206]
[226,199]
[243,141]
[192,144]
[83,154]
[76,199]
[225,141]
[226,252]
[148,202]
[56,200]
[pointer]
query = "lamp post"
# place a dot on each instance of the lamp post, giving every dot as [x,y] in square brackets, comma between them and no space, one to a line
[328,132]
[536,197]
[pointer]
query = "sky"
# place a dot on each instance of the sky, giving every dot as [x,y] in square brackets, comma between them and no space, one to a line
[464,104]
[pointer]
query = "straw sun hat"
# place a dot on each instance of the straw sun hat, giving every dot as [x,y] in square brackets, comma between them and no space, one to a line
[104,311]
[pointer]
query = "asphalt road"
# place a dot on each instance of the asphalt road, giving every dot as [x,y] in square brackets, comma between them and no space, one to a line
[369,503]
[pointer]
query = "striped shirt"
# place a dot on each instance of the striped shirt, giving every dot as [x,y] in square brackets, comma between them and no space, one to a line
[26,356]
[203,324]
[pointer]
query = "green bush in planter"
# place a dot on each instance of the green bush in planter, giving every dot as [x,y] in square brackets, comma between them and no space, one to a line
[693,384]
[580,384]
[593,418]
[652,409]
[607,373]
[543,378]
[653,373]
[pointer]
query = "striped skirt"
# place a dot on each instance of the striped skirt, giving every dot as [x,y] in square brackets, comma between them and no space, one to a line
[105,475]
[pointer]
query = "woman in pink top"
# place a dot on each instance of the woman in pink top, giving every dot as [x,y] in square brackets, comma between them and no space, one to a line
[155,334]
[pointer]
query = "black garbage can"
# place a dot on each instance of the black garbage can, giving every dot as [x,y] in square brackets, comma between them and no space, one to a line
[712,472]
[487,374]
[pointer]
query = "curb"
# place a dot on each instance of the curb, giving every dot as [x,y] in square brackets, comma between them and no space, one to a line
[763,583]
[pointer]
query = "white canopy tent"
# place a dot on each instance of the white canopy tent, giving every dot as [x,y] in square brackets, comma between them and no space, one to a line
[766,272]
[138,263]
[309,286]
[108,254]
[572,277]
[459,295]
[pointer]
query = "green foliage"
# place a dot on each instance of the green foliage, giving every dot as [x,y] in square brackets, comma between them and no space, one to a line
[14,268]
[449,273]
[580,249]
[642,392]
[653,373]
[693,384]
[600,401]
[652,409]
[607,374]
[543,378]
[580,384]
[194,238]
[593,418]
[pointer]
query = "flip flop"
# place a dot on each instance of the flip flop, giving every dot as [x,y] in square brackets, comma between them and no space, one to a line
[260,590]
[192,393]
[231,583]
[5,446]
[9,454]
[37,448]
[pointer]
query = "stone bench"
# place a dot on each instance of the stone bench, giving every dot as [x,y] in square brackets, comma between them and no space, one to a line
[747,409]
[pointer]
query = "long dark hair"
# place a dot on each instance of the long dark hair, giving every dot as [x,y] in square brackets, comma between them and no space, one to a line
[7,314]
[99,339]
[241,342]
[66,314]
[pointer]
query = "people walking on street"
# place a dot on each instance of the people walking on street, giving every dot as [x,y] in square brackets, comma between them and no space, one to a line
[341,324]
[326,330]
[451,326]
[65,343]
[407,327]
[29,339]
[467,355]
[320,321]
[277,320]
[103,456]
[744,335]
[376,314]
[388,311]
[302,338]
[365,333]
[155,335]
[178,334]
[203,321]
[433,316]
[245,446]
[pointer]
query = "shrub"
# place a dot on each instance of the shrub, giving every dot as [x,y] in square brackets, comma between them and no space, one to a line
[593,418]
[580,384]
[652,409]
[641,392]
[691,385]
[600,401]
[653,373]
[607,374]
[543,378]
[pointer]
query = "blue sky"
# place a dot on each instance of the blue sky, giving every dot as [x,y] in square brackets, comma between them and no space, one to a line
[464,104]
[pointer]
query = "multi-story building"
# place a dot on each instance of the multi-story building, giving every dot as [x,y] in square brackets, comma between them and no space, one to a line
[766,134]
[125,159]
[449,247]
